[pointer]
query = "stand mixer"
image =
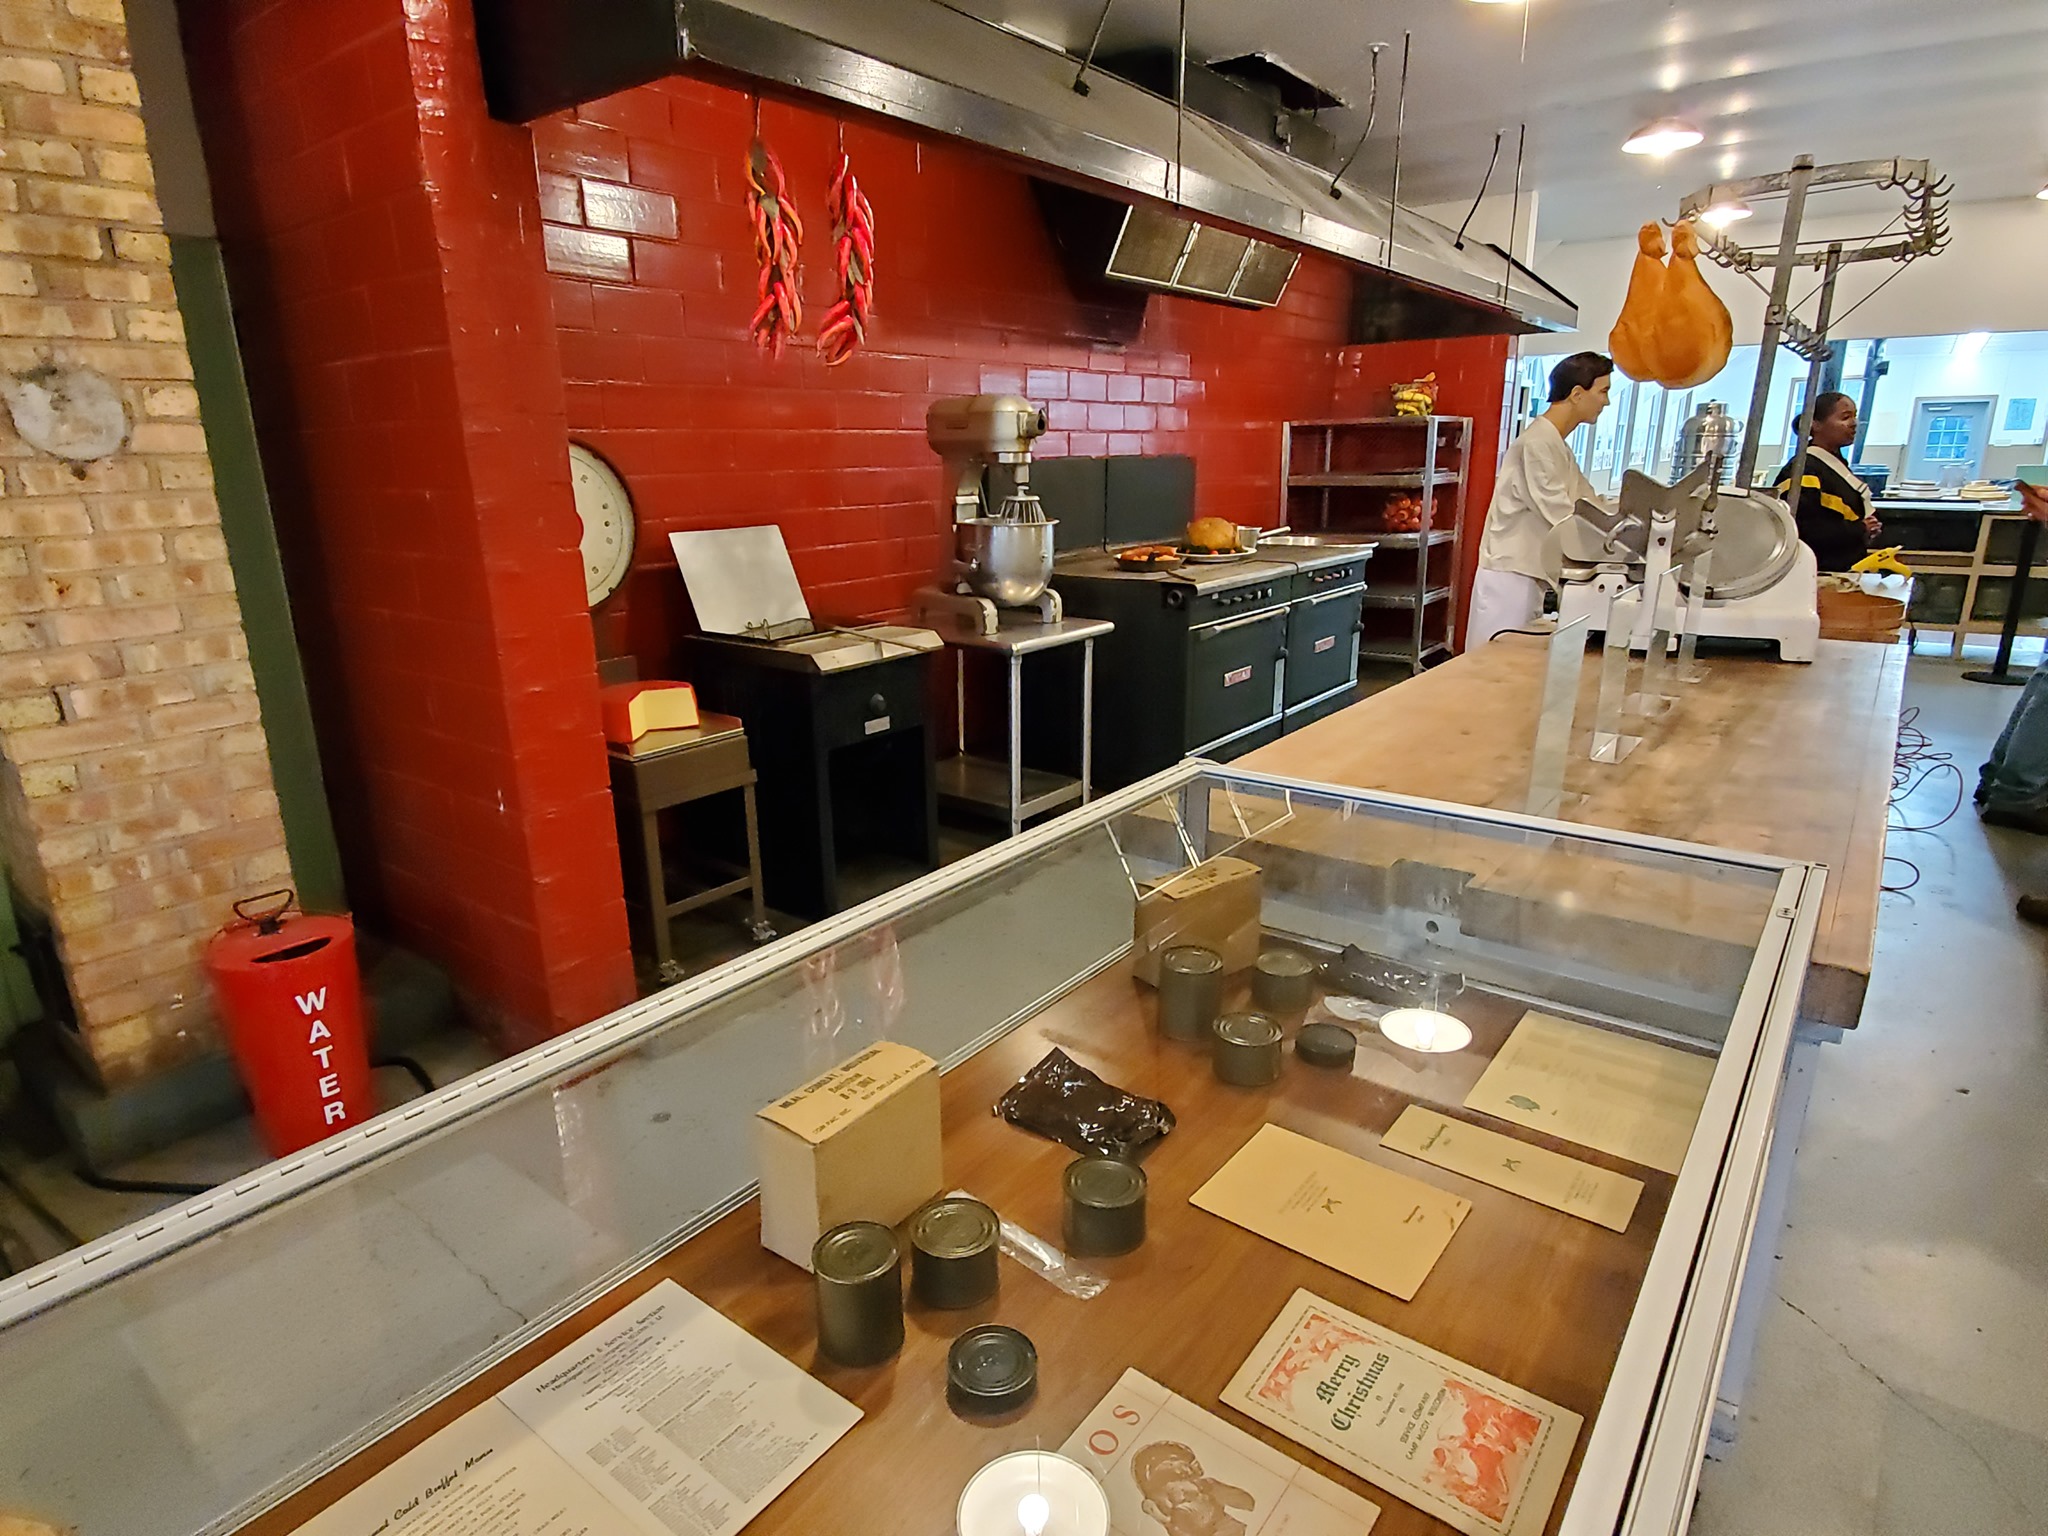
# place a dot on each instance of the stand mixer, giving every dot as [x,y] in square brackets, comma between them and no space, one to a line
[1001,559]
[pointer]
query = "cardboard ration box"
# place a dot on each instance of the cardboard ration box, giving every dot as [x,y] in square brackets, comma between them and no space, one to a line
[1215,904]
[860,1143]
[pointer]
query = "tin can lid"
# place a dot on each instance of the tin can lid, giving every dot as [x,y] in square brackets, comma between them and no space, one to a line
[855,1251]
[992,1368]
[1247,1029]
[953,1227]
[1108,1182]
[1326,1045]
[1191,960]
[1285,962]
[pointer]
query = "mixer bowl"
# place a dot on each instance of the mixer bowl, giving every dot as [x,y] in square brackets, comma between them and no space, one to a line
[1005,561]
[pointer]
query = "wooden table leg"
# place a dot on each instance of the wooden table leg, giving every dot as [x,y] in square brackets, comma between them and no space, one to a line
[657,892]
[760,928]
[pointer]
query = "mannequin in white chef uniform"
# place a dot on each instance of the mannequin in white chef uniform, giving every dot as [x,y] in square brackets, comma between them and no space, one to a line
[1540,482]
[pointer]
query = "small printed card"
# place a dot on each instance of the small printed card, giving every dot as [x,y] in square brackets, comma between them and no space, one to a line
[1466,1447]
[1535,1173]
[1372,1223]
[1605,1090]
[1166,1463]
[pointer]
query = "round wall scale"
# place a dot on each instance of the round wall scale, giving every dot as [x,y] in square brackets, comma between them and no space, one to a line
[606,512]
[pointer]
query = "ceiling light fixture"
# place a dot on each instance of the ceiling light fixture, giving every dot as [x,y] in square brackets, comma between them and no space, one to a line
[1721,215]
[1970,343]
[1665,136]
[2043,194]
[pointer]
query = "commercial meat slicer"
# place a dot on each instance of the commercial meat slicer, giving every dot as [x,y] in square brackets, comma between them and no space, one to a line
[1741,550]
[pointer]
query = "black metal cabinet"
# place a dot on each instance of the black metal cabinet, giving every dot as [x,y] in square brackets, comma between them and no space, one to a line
[844,758]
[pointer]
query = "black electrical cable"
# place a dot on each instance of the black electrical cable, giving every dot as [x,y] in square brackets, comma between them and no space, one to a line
[120,1186]
[114,1186]
[1915,761]
[412,1068]
[1484,182]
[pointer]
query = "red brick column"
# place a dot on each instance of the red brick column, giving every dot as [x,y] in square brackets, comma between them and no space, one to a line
[384,242]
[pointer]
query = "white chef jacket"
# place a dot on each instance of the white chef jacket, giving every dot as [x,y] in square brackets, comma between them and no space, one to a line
[1539,484]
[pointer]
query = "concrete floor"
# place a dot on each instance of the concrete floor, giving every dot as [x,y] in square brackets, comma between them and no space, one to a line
[1898,1385]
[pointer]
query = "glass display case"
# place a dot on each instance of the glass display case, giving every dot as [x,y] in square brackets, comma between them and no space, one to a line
[190,1373]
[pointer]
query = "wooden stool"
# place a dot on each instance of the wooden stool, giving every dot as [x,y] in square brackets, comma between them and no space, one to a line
[665,769]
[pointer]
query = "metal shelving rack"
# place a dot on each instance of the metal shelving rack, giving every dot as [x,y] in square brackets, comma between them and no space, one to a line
[1335,474]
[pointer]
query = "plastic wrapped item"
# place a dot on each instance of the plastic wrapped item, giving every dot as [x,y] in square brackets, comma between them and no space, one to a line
[1043,1259]
[1062,1100]
[1361,973]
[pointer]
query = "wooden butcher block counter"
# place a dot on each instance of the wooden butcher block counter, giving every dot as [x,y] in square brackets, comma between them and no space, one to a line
[1761,756]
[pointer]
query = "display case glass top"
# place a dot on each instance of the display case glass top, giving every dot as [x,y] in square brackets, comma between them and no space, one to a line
[227,1354]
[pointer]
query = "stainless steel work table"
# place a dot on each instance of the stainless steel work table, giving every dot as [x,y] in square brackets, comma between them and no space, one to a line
[983,784]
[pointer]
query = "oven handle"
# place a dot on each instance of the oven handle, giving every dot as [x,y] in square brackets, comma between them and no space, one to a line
[1331,597]
[1230,624]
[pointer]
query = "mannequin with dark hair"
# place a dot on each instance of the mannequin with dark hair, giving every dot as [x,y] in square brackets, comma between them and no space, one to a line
[1539,484]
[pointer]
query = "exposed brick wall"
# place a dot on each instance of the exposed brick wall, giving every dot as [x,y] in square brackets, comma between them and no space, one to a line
[135,793]
[383,241]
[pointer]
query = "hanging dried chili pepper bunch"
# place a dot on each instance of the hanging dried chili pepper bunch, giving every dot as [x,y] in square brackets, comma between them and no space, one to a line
[778,238]
[853,241]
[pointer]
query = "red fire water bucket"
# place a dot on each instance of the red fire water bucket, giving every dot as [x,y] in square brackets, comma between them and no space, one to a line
[292,1007]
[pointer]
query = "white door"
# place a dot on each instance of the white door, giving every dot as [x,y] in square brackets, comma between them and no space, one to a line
[1947,443]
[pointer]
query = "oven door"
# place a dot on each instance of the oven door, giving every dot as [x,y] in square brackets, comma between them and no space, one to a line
[1234,672]
[1322,644]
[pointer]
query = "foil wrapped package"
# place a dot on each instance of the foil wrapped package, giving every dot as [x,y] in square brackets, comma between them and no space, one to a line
[1360,973]
[1063,1101]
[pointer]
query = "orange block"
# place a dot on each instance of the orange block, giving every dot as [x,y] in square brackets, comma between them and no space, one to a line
[631,710]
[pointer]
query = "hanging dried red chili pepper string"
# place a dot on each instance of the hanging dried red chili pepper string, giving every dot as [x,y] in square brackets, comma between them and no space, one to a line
[853,245]
[778,241]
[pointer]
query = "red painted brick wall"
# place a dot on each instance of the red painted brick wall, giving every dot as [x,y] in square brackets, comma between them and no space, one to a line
[970,298]
[384,244]
[1471,375]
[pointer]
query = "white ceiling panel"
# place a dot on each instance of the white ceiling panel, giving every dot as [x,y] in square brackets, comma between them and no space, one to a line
[1963,84]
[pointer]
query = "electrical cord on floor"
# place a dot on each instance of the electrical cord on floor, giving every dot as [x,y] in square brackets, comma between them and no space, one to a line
[119,1186]
[407,1065]
[114,1186]
[1896,858]
[1915,762]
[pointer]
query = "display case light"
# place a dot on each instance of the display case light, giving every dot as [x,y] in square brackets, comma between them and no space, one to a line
[1425,1029]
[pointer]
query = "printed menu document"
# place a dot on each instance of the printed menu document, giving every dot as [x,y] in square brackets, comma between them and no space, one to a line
[1166,1463]
[1615,1093]
[1535,1173]
[1479,1454]
[666,1419]
[1372,1223]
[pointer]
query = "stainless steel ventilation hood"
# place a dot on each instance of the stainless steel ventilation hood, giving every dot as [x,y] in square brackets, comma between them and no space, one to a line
[927,64]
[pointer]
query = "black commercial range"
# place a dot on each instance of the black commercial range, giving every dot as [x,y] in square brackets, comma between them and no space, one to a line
[1209,659]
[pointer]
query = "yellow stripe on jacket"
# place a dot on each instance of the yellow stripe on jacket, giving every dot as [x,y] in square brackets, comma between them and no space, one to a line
[1828,499]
